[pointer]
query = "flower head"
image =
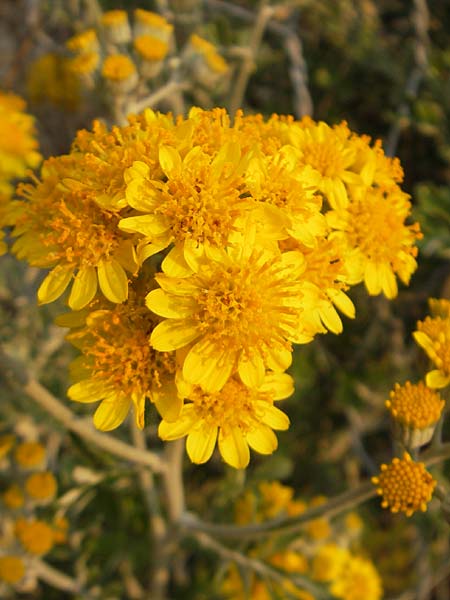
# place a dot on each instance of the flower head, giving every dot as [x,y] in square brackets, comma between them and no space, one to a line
[240,309]
[116,27]
[379,245]
[29,455]
[406,486]
[357,579]
[41,487]
[13,497]
[236,416]
[12,569]
[119,368]
[433,335]
[35,536]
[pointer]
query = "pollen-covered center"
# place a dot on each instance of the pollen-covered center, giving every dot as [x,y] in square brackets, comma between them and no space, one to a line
[377,228]
[118,351]
[415,405]
[67,227]
[245,305]
[406,486]
[233,407]
[324,156]
[200,206]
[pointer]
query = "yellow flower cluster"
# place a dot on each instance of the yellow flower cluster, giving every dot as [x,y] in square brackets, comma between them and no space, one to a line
[18,152]
[433,335]
[24,535]
[119,52]
[50,79]
[327,554]
[222,244]
[405,485]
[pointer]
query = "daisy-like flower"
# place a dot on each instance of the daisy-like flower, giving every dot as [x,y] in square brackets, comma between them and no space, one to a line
[12,569]
[331,152]
[357,579]
[116,27]
[433,335]
[120,73]
[377,245]
[35,535]
[416,409]
[119,368]
[405,485]
[200,202]
[236,417]
[240,309]
[18,144]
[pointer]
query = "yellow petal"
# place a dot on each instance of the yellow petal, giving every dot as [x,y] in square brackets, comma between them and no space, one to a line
[251,370]
[169,159]
[167,401]
[148,225]
[279,358]
[113,280]
[139,409]
[388,281]
[181,427]
[262,439]
[171,307]
[208,366]
[371,279]
[111,413]
[174,333]
[54,284]
[275,418]
[125,254]
[343,302]
[83,289]
[88,390]
[175,264]
[437,379]
[200,444]
[234,448]
[424,341]
[330,318]
[278,385]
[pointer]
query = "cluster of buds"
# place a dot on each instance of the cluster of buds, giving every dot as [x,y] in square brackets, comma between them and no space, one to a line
[127,57]
[25,535]
[327,553]
[405,485]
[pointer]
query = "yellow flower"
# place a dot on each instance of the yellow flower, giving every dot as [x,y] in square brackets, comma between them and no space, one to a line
[41,486]
[241,308]
[29,455]
[18,144]
[236,416]
[433,335]
[118,67]
[275,498]
[416,410]
[85,64]
[13,497]
[332,153]
[35,536]
[150,48]
[329,562]
[116,27]
[12,569]
[147,22]
[290,561]
[439,307]
[200,202]
[358,579]
[50,78]
[406,486]
[376,242]
[119,368]
[84,42]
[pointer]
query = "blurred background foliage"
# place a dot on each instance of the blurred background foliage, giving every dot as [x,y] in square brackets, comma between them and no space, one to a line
[361,56]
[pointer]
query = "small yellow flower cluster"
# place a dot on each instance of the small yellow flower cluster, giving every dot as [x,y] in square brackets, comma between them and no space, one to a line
[328,554]
[433,335]
[121,53]
[50,79]
[256,230]
[18,152]
[124,54]
[24,535]
[405,485]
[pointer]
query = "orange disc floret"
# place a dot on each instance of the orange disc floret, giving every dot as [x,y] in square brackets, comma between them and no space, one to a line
[13,497]
[12,569]
[35,536]
[41,486]
[415,404]
[118,67]
[405,485]
[30,455]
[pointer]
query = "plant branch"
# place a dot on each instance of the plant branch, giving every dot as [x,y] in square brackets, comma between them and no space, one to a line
[17,375]
[169,90]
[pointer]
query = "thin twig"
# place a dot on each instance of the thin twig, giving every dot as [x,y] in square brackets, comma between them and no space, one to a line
[247,65]
[58,580]
[303,104]
[257,566]
[17,375]
[420,18]
[171,88]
